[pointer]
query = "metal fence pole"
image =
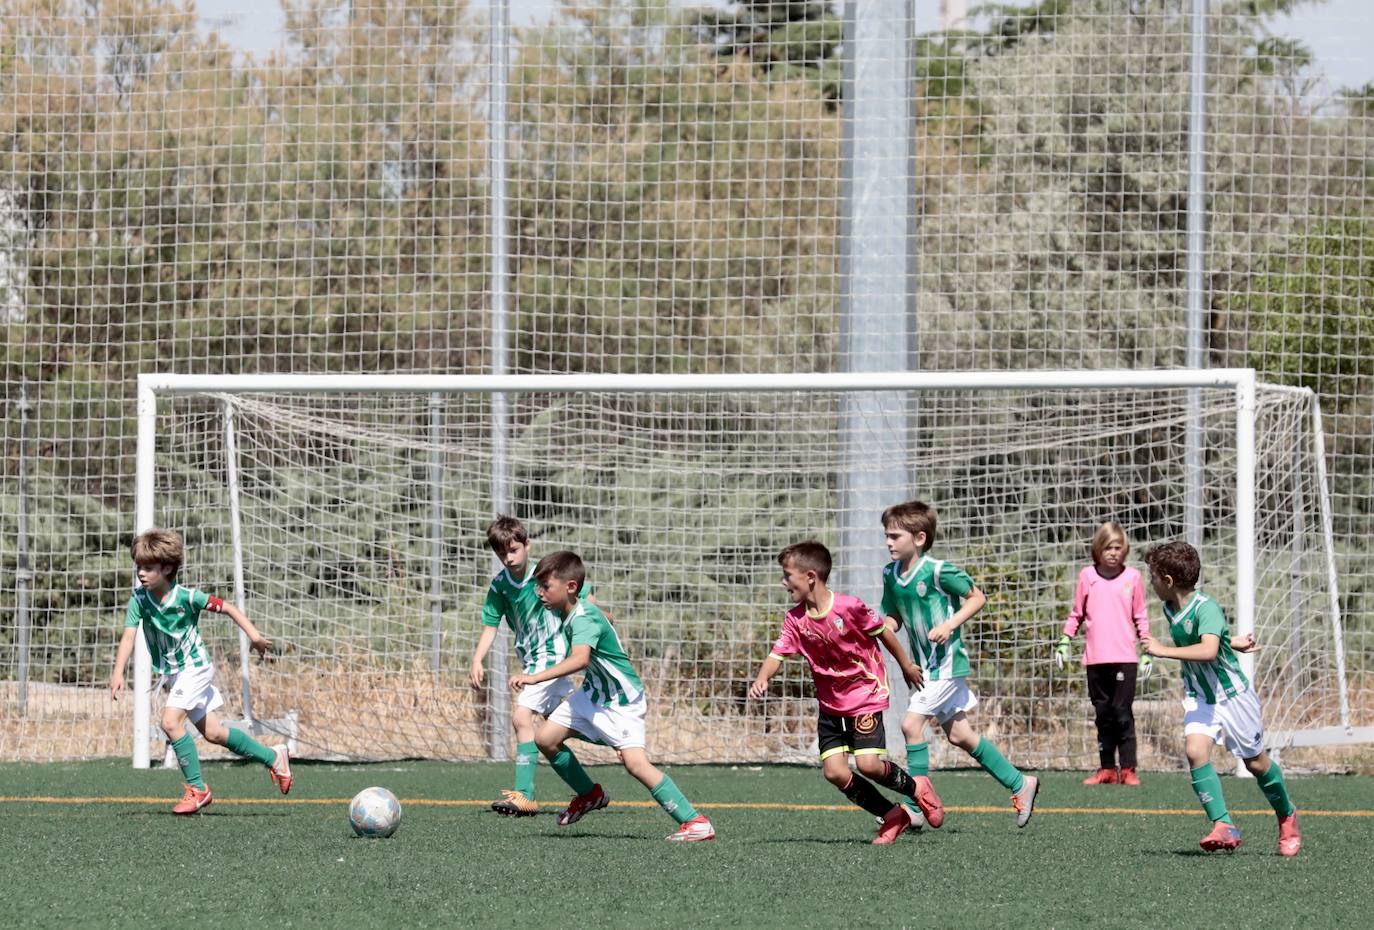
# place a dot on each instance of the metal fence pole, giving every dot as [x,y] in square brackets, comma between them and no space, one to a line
[23,574]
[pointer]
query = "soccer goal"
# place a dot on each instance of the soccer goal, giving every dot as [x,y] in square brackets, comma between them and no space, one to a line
[346,514]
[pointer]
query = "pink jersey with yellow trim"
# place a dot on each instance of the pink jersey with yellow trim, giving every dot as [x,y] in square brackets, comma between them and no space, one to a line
[842,649]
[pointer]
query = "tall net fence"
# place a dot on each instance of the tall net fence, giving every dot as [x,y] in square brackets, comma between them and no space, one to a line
[320,199]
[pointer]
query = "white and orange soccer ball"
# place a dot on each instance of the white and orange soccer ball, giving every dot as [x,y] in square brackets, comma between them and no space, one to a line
[374,813]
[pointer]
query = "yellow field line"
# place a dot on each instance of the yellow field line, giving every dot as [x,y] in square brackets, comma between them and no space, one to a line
[740,806]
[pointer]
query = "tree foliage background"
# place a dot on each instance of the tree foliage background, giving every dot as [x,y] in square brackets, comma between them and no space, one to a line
[170,203]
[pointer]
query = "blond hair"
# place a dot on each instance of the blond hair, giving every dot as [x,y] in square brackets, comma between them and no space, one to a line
[159,547]
[1106,534]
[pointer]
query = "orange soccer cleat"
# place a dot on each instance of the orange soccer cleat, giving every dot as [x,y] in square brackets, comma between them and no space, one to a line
[894,825]
[193,799]
[515,804]
[1101,777]
[1129,777]
[281,770]
[1290,838]
[1225,837]
[928,801]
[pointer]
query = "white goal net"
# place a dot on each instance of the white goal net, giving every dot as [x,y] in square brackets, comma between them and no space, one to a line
[360,515]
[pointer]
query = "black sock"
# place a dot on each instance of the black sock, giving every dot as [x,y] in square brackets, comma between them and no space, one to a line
[861,791]
[896,778]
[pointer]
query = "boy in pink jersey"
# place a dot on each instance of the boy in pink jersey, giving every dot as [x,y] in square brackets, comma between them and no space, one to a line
[838,636]
[1109,605]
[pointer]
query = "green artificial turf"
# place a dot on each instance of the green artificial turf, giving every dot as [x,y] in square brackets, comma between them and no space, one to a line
[1091,857]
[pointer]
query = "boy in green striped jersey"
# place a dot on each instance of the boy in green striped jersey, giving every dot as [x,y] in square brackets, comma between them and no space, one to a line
[933,600]
[540,643]
[609,707]
[1218,704]
[169,615]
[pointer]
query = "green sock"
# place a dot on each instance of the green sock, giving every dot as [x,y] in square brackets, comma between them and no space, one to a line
[188,759]
[1276,790]
[526,759]
[996,765]
[243,744]
[571,771]
[673,801]
[1208,788]
[918,759]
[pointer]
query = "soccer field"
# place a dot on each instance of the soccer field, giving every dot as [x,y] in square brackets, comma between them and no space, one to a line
[94,844]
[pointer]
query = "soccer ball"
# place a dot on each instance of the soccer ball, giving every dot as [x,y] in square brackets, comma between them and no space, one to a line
[374,812]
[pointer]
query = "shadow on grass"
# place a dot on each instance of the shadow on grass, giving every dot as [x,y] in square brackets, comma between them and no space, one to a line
[215,813]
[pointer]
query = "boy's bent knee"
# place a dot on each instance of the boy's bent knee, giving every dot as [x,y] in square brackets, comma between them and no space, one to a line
[870,764]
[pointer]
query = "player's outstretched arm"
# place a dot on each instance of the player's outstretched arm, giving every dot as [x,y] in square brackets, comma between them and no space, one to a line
[261,644]
[759,688]
[477,671]
[121,661]
[1204,651]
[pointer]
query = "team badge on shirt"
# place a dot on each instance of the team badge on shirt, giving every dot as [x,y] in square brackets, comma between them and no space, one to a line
[920,589]
[839,623]
[1188,626]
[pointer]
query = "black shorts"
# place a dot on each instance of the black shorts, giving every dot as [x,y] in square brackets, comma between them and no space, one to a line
[860,736]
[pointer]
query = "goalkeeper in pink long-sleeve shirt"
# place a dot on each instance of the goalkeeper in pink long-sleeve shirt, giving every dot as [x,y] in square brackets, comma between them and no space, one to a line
[1109,605]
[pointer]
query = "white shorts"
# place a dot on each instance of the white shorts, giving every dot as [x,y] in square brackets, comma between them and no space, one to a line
[1235,722]
[942,699]
[193,690]
[618,726]
[543,697]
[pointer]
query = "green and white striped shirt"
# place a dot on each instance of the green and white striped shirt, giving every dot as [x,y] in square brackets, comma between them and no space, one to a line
[928,594]
[609,678]
[1221,678]
[170,627]
[540,641]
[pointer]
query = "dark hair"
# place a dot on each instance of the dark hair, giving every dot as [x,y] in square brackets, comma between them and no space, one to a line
[159,547]
[915,517]
[503,531]
[809,556]
[1178,560]
[564,565]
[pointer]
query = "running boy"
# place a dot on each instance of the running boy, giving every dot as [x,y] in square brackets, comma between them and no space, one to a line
[1218,704]
[608,708]
[540,643]
[933,599]
[838,635]
[170,617]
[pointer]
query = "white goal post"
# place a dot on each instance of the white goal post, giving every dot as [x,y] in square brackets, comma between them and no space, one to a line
[309,439]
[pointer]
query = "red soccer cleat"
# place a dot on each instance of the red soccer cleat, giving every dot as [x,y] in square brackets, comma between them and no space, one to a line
[1290,837]
[1103,777]
[894,825]
[1129,777]
[582,805]
[193,799]
[1225,837]
[928,801]
[281,770]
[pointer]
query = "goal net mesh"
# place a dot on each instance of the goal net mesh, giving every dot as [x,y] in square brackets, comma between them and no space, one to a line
[679,504]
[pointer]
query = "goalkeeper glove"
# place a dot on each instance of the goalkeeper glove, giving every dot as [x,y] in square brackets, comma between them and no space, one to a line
[1145,666]
[1061,653]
